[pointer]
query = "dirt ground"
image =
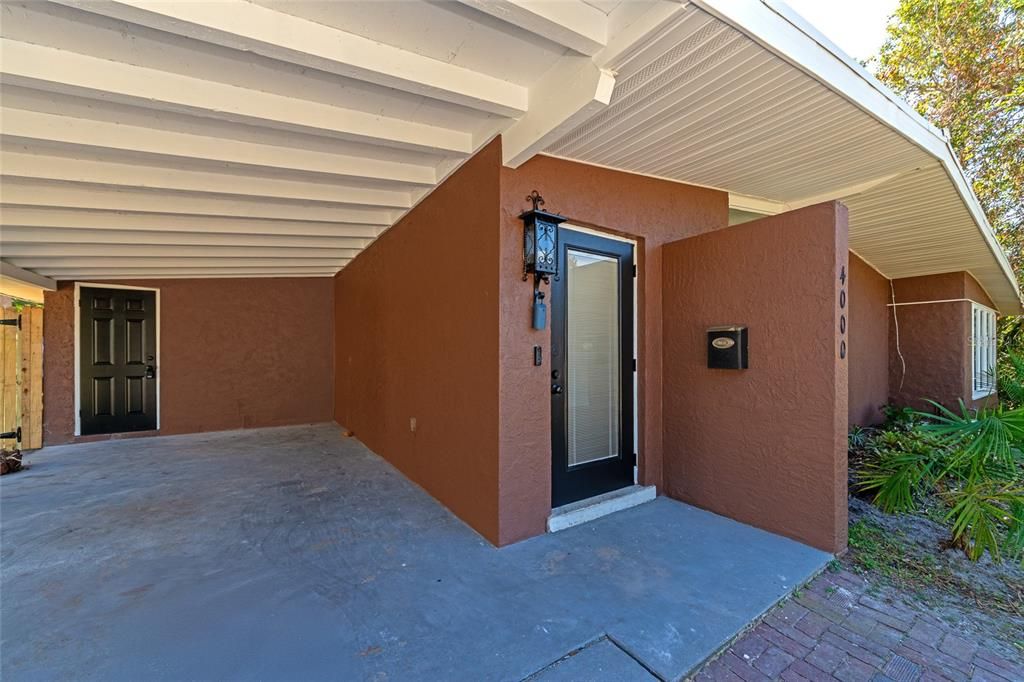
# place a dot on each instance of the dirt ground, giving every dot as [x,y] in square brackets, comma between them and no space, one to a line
[984,598]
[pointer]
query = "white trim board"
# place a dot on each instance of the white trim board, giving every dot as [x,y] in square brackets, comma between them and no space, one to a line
[78,345]
[945,300]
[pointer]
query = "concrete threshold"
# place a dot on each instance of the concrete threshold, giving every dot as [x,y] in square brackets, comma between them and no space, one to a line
[575,513]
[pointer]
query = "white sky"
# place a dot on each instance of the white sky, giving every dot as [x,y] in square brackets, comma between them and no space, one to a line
[856,26]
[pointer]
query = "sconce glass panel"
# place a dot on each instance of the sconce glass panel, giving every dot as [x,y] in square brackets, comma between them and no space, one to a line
[540,243]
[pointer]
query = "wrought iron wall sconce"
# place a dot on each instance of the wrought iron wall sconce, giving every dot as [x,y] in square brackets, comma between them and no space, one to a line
[540,252]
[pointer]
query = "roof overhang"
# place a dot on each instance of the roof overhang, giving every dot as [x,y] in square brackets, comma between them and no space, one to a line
[279,138]
[779,28]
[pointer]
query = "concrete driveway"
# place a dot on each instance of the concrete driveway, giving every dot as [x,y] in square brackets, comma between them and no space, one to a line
[297,554]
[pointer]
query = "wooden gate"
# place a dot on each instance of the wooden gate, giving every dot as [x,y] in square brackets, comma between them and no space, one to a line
[21,393]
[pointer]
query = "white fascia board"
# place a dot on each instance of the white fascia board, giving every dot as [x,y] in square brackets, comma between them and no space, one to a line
[782,31]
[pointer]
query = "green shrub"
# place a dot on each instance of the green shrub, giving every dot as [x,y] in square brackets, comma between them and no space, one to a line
[1010,379]
[903,465]
[899,418]
[970,459]
[859,437]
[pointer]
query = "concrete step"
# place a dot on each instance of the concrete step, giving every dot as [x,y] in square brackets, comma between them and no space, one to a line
[575,513]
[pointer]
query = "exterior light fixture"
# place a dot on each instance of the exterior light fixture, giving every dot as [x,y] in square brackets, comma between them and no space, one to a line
[540,240]
[540,252]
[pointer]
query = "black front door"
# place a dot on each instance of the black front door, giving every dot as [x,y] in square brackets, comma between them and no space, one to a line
[117,360]
[591,367]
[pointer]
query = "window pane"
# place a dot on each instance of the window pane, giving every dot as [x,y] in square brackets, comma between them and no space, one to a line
[976,348]
[594,365]
[983,349]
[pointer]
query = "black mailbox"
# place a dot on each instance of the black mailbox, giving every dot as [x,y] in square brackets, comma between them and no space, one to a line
[727,347]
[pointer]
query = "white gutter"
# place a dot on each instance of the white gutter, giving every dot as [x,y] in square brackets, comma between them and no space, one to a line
[775,26]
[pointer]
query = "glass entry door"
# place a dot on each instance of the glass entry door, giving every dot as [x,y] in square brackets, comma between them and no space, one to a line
[591,368]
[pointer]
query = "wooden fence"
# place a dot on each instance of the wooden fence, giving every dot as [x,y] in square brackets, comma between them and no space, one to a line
[21,393]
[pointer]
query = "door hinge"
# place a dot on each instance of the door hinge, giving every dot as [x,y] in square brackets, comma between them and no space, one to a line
[634,364]
[12,322]
[634,271]
[634,459]
[11,435]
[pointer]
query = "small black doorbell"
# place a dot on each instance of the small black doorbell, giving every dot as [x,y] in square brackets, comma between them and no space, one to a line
[727,347]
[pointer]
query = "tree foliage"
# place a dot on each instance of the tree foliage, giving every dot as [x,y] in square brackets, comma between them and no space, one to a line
[960,63]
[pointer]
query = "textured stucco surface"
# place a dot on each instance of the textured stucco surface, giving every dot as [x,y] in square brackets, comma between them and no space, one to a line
[417,338]
[653,212]
[766,445]
[234,353]
[868,341]
[934,340]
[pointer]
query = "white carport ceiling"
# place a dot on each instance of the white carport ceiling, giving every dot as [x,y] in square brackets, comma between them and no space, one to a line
[273,138]
[237,138]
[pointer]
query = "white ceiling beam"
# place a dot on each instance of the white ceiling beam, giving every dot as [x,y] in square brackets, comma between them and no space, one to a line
[742,202]
[49,235]
[46,264]
[249,27]
[21,125]
[629,33]
[66,218]
[26,277]
[53,70]
[18,289]
[567,95]
[70,195]
[570,23]
[21,251]
[68,169]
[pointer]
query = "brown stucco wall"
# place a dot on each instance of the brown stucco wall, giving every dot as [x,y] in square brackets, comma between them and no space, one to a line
[417,338]
[234,353]
[868,342]
[934,340]
[766,445]
[654,212]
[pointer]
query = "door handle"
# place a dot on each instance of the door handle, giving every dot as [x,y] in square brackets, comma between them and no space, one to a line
[150,372]
[556,389]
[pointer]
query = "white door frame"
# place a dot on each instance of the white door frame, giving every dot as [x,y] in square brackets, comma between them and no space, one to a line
[78,345]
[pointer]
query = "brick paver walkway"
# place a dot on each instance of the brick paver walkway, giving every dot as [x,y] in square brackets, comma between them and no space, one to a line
[838,629]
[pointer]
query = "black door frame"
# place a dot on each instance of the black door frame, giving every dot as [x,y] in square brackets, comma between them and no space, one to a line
[78,345]
[570,484]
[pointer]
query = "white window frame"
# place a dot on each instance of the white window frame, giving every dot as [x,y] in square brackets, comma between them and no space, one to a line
[983,351]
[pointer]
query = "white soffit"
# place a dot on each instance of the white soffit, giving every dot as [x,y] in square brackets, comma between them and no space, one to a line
[272,138]
[280,137]
[744,96]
